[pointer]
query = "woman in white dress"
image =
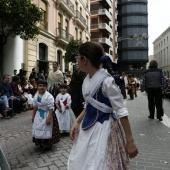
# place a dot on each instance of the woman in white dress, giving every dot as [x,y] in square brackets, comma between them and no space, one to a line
[102,135]
[64,113]
[44,129]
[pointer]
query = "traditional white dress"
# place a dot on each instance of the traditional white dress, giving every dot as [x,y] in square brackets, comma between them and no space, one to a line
[28,95]
[102,145]
[66,117]
[43,103]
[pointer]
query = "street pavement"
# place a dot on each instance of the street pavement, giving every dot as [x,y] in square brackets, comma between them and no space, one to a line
[151,136]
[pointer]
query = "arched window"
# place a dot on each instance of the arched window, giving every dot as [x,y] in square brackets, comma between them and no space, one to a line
[42,62]
[42,51]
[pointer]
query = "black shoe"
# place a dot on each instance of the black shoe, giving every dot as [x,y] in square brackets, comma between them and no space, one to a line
[160,119]
[150,117]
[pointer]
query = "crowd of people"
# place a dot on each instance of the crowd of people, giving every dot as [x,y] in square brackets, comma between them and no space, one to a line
[77,104]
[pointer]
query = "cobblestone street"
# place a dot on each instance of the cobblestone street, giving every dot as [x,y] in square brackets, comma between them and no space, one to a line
[152,138]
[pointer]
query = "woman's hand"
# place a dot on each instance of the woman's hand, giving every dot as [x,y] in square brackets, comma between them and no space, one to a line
[131,149]
[48,121]
[74,130]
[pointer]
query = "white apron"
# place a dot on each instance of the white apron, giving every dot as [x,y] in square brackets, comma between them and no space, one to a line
[39,129]
[65,117]
[99,147]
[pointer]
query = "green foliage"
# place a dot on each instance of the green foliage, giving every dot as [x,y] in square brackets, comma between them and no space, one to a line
[18,17]
[72,50]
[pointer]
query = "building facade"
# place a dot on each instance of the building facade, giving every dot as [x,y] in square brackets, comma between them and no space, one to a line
[132,36]
[161,51]
[62,20]
[103,25]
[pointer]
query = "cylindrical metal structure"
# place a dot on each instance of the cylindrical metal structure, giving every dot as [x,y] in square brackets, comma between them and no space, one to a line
[132,35]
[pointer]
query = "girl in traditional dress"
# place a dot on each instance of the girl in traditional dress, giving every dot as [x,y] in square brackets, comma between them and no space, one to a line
[64,112]
[102,135]
[27,93]
[45,127]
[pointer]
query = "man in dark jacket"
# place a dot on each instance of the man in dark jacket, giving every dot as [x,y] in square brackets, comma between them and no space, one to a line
[154,84]
[7,90]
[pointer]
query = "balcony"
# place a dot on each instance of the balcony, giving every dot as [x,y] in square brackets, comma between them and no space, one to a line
[105,26]
[101,26]
[105,3]
[80,20]
[67,6]
[103,13]
[63,37]
[104,40]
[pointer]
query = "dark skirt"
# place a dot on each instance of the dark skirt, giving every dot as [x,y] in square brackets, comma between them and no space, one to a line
[47,143]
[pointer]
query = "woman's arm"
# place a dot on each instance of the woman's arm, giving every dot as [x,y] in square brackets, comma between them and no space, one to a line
[74,130]
[130,145]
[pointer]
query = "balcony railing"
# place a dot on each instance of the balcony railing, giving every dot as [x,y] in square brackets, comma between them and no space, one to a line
[103,1]
[80,17]
[105,26]
[64,35]
[101,26]
[103,41]
[102,12]
[67,5]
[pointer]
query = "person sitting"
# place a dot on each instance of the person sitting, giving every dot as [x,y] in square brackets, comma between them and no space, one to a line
[7,91]
[17,93]
[4,107]
[34,89]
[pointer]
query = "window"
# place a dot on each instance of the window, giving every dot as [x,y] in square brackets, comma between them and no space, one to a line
[80,36]
[76,32]
[66,26]
[43,8]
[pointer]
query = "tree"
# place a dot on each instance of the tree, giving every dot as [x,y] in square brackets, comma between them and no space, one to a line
[72,50]
[18,18]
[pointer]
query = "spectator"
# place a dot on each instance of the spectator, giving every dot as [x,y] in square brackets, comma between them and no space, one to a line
[15,73]
[17,93]
[4,106]
[34,84]
[7,91]
[55,78]
[33,75]
[123,85]
[41,75]
[155,84]
[76,91]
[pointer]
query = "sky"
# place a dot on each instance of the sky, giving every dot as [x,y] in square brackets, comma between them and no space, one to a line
[158,19]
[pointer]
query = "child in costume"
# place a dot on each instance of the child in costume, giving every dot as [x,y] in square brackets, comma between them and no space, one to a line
[45,131]
[64,112]
[27,93]
[102,135]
